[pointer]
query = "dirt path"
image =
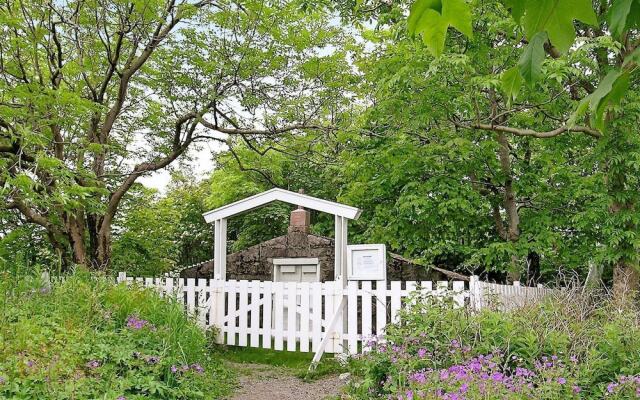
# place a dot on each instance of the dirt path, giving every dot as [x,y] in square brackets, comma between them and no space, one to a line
[266,382]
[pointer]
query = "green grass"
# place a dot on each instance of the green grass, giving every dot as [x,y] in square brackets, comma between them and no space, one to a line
[297,362]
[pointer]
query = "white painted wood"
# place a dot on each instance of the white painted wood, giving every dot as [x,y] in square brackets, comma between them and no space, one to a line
[219,308]
[291,315]
[254,329]
[366,314]
[305,325]
[232,312]
[278,326]
[329,312]
[316,315]
[458,294]
[286,196]
[190,288]
[352,317]
[168,287]
[411,288]
[267,316]
[381,307]
[339,306]
[327,337]
[203,304]
[243,310]
[396,294]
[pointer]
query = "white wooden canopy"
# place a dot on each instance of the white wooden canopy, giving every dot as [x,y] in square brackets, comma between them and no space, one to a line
[342,214]
[286,196]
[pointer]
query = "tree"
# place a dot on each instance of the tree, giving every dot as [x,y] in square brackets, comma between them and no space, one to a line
[153,234]
[94,94]
[596,72]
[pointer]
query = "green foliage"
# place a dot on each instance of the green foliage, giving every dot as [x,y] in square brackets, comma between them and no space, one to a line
[86,337]
[157,233]
[566,342]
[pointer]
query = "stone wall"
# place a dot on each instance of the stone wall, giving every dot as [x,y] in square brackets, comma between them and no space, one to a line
[256,262]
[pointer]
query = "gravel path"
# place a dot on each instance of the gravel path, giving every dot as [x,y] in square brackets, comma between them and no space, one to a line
[266,382]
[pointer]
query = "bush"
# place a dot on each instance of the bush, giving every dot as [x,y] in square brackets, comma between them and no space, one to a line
[85,337]
[573,346]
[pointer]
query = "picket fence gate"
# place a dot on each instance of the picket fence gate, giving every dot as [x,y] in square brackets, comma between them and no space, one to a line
[296,316]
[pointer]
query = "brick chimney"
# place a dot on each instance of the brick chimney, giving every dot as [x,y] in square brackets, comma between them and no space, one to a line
[300,219]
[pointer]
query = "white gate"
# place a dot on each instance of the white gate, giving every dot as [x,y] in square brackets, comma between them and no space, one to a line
[251,313]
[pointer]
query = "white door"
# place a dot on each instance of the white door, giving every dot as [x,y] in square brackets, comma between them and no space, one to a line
[295,270]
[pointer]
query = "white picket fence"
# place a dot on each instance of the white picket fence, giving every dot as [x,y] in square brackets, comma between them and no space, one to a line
[258,314]
[296,316]
[504,297]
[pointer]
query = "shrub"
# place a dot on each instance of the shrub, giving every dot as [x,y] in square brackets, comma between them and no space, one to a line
[572,346]
[86,337]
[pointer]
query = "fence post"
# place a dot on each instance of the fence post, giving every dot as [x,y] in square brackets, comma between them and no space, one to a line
[475,293]
[122,276]
[46,279]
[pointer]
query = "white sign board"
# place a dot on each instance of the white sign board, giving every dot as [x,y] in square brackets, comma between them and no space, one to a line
[367,262]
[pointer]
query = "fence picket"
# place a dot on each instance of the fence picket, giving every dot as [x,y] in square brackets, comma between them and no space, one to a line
[254,329]
[316,315]
[243,311]
[458,294]
[304,317]
[381,307]
[366,314]
[352,317]
[191,296]
[278,326]
[267,316]
[292,313]
[231,312]
[203,308]
[396,294]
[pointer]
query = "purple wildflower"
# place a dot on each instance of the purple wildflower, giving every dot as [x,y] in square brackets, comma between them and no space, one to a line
[152,359]
[422,353]
[197,367]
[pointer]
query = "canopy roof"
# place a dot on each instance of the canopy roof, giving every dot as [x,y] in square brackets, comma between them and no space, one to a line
[286,196]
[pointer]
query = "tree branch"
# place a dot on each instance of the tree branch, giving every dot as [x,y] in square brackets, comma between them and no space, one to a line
[530,132]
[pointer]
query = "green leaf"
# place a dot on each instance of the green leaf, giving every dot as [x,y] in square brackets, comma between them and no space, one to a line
[431,18]
[610,92]
[434,33]
[511,83]
[617,17]
[458,14]
[615,95]
[556,18]
[517,8]
[417,11]
[530,63]
[634,58]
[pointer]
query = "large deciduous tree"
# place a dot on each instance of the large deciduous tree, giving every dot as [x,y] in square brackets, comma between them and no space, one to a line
[573,62]
[96,93]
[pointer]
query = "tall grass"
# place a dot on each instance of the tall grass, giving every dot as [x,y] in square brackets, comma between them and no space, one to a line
[76,339]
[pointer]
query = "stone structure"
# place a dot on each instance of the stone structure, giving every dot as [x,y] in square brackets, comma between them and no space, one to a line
[256,262]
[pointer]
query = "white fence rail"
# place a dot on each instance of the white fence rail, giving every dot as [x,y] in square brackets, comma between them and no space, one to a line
[296,316]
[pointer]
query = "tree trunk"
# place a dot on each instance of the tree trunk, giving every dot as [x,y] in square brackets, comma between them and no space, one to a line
[103,251]
[513,219]
[75,232]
